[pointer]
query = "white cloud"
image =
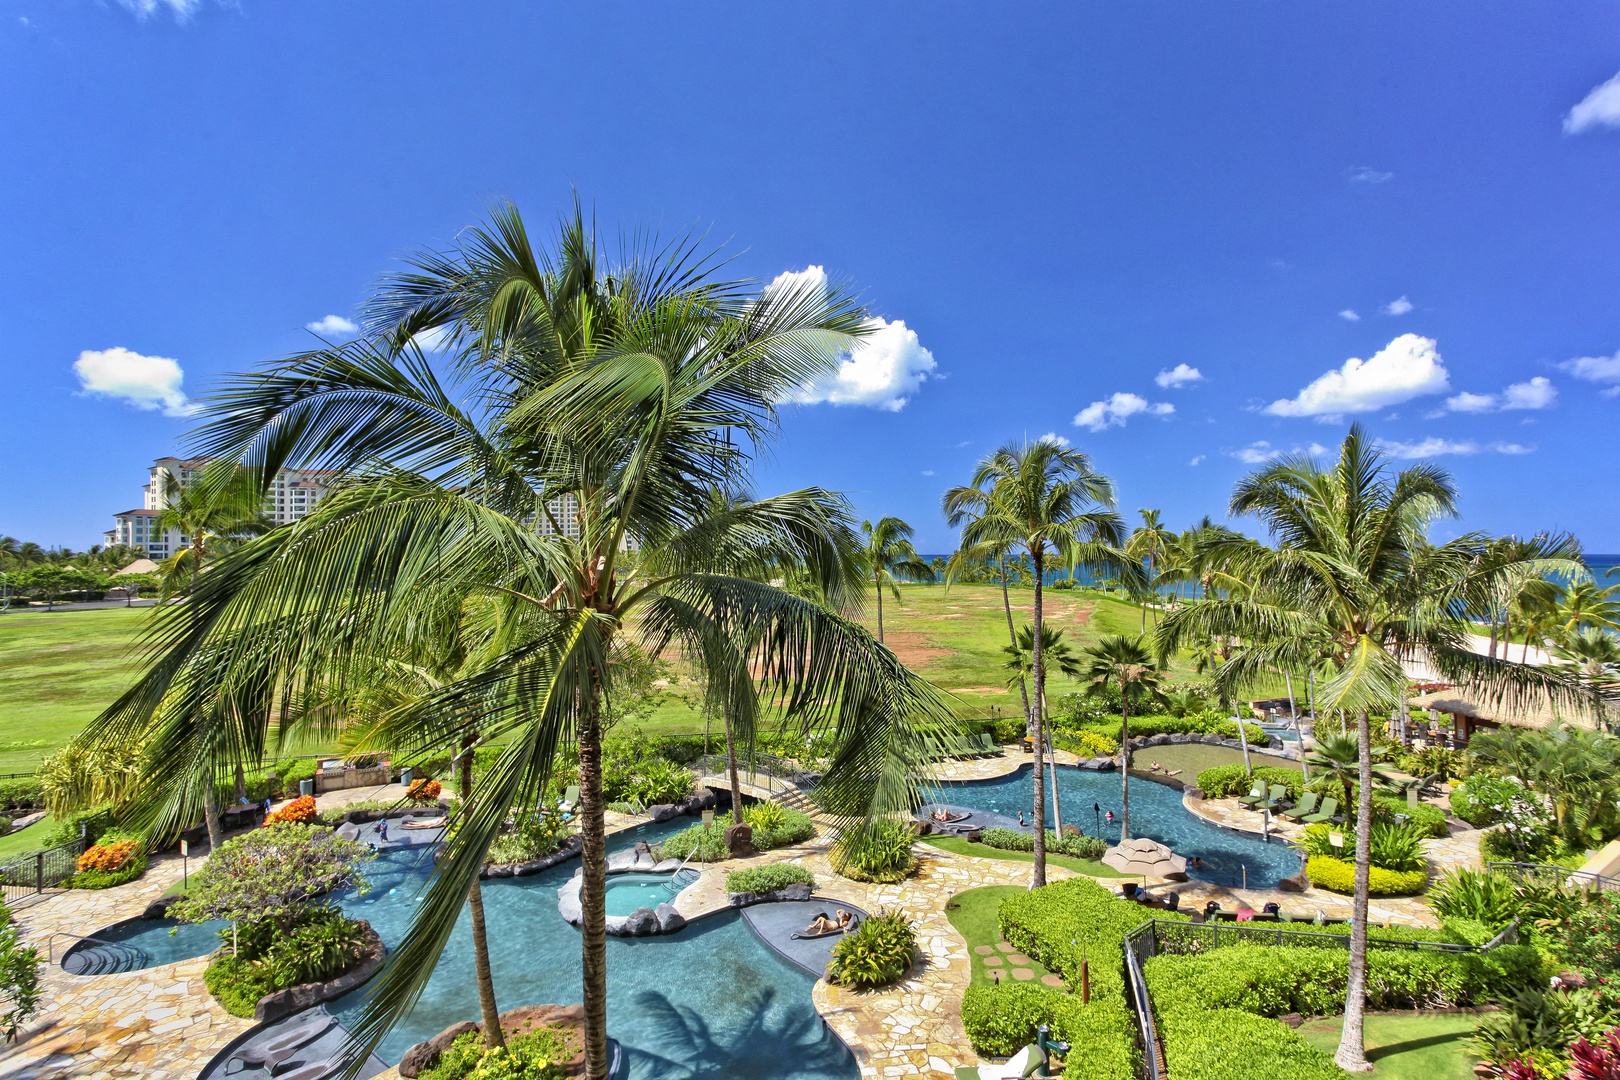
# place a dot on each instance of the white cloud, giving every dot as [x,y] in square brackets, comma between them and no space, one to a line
[1199,460]
[1435,447]
[1538,393]
[1366,174]
[1406,368]
[1349,315]
[928,472]
[1178,376]
[883,370]
[1054,438]
[1600,108]
[1597,369]
[1398,306]
[146,382]
[1114,412]
[1258,453]
[333,326]
[181,9]
[430,340]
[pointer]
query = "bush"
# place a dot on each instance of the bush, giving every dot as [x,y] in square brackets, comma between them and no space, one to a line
[709,844]
[93,822]
[1433,761]
[1230,781]
[24,793]
[1002,1019]
[301,811]
[1480,896]
[764,879]
[1087,744]
[424,791]
[1208,722]
[237,984]
[534,1055]
[1337,875]
[697,843]
[879,853]
[108,856]
[1429,819]
[778,829]
[270,957]
[536,834]
[128,871]
[1482,800]
[876,953]
[1391,847]
[1078,847]
[659,781]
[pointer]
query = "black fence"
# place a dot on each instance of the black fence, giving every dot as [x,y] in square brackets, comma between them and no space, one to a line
[1561,876]
[42,870]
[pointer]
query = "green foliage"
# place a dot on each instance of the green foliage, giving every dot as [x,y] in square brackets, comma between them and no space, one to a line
[764,879]
[1102,718]
[1482,799]
[1478,895]
[535,834]
[1429,819]
[1230,781]
[1390,846]
[1337,875]
[1079,847]
[1002,1019]
[19,978]
[316,945]
[23,793]
[237,985]
[879,853]
[765,816]
[106,879]
[1542,1024]
[698,843]
[1087,744]
[337,815]
[274,874]
[709,844]
[876,953]
[533,1055]
[1433,761]
[1589,936]
[1219,1044]
[94,822]
[633,769]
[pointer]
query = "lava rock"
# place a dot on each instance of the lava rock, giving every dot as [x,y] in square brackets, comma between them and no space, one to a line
[423,1055]
[645,863]
[663,812]
[669,920]
[568,905]
[159,908]
[621,862]
[1213,740]
[1072,830]
[282,1003]
[1293,883]
[641,922]
[668,866]
[1159,740]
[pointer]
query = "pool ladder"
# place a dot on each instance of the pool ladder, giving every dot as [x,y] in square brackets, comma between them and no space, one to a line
[678,881]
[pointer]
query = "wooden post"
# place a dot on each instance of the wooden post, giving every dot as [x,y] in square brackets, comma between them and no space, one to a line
[1085,981]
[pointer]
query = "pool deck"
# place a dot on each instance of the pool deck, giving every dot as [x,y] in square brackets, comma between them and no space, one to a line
[161,1023]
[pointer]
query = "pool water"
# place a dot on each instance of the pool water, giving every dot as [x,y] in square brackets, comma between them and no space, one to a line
[626,892]
[141,943]
[1156,812]
[710,1001]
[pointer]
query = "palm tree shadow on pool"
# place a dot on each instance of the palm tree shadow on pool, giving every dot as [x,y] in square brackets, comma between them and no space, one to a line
[762,1046]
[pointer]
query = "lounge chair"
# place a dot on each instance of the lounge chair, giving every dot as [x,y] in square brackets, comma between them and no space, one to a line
[1330,807]
[268,1055]
[1256,795]
[1278,796]
[1306,805]
[1024,1063]
[570,799]
[424,823]
[834,932]
[989,745]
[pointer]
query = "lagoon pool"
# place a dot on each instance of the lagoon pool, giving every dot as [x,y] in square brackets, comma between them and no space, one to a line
[1156,812]
[141,943]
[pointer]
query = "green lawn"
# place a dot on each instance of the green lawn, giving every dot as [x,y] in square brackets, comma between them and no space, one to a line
[960,846]
[1190,759]
[973,913]
[1431,1046]
[23,841]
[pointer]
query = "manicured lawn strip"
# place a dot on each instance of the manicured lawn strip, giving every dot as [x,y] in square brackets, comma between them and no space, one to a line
[25,841]
[957,845]
[1431,1046]
[973,913]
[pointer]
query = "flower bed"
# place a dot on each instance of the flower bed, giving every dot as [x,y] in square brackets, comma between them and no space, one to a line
[768,879]
[114,861]
[301,811]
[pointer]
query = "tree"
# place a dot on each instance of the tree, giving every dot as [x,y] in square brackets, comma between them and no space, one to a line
[1587,605]
[1337,760]
[1125,664]
[888,558]
[1153,544]
[1352,565]
[1596,654]
[1058,655]
[19,981]
[1046,502]
[274,874]
[222,507]
[609,402]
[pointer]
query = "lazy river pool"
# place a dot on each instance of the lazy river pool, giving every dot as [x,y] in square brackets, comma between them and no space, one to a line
[1156,812]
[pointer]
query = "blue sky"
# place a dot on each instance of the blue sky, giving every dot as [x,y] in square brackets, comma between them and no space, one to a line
[1067,210]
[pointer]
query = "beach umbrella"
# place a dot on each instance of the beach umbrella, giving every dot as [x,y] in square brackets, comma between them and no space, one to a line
[1146,857]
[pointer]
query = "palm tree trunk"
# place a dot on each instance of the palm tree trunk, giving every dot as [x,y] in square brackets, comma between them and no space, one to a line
[216,834]
[1352,1053]
[1124,764]
[241,783]
[878,580]
[1299,733]
[1012,637]
[489,1012]
[593,890]
[1057,804]
[1038,668]
[736,781]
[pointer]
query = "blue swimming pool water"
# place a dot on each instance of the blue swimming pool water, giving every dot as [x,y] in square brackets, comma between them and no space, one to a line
[1156,812]
[141,943]
[711,1001]
[626,892]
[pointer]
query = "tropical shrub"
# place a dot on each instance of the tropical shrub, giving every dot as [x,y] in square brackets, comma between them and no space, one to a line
[1433,761]
[876,953]
[1231,781]
[1078,847]
[1589,936]
[92,822]
[1595,1061]
[1541,1024]
[534,835]
[1337,875]
[424,791]
[1208,722]
[659,781]
[1482,799]
[534,1055]
[273,875]
[109,855]
[698,843]
[1218,1044]
[300,811]
[1480,896]
[19,979]
[1429,819]
[1391,847]
[879,853]
[1002,1019]
[317,945]
[23,793]
[764,879]
[1087,744]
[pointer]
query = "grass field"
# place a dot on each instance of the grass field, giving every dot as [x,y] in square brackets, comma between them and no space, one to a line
[62,668]
[1432,1046]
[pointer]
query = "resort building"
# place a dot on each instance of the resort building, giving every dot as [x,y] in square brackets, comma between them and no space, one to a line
[1454,716]
[292,494]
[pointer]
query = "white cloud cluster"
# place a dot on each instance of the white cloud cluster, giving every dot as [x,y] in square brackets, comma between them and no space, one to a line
[181,9]
[1435,447]
[146,382]
[1366,174]
[1198,460]
[1258,453]
[1538,393]
[1603,370]
[1178,376]
[1117,409]
[1408,367]
[1600,108]
[333,326]
[1053,438]
[1399,306]
[1349,315]
[884,369]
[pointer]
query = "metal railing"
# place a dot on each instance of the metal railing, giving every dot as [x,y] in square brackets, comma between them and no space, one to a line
[767,772]
[1138,947]
[122,952]
[1562,876]
[33,874]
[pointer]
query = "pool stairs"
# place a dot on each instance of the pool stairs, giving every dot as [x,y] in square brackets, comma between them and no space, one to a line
[682,877]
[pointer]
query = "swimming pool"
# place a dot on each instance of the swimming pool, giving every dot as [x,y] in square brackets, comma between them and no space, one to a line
[1156,812]
[141,943]
[627,892]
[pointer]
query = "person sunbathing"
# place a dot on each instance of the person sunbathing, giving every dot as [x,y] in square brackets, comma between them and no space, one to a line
[944,816]
[1155,767]
[821,925]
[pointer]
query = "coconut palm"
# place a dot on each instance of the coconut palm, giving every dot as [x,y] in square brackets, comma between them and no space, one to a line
[1352,566]
[1596,654]
[1587,605]
[1058,655]
[605,403]
[1122,663]
[222,507]
[888,557]
[1045,502]
[1152,544]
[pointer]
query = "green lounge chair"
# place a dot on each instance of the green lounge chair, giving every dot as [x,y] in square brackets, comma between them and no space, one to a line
[1256,795]
[570,799]
[989,744]
[1278,794]
[1330,807]
[962,748]
[1306,805]
[934,752]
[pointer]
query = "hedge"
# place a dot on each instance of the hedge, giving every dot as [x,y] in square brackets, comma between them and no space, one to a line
[1429,819]
[1231,781]
[1145,727]
[1079,847]
[1339,876]
[1002,1019]
[24,793]
[764,879]
[1221,1044]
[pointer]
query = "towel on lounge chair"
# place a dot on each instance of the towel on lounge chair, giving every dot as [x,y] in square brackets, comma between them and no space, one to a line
[424,823]
[834,932]
[1021,1064]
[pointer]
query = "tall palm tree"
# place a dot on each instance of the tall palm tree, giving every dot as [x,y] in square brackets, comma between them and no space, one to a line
[1586,604]
[1153,544]
[1058,655]
[889,557]
[605,404]
[219,508]
[1596,654]
[1123,663]
[1044,502]
[1352,565]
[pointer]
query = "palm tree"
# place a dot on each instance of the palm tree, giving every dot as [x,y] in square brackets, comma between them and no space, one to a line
[1123,663]
[607,404]
[1046,502]
[1152,544]
[888,557]
[1596,654]
[222,507]
[1585,604]
[1058,655]
[1352,566]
